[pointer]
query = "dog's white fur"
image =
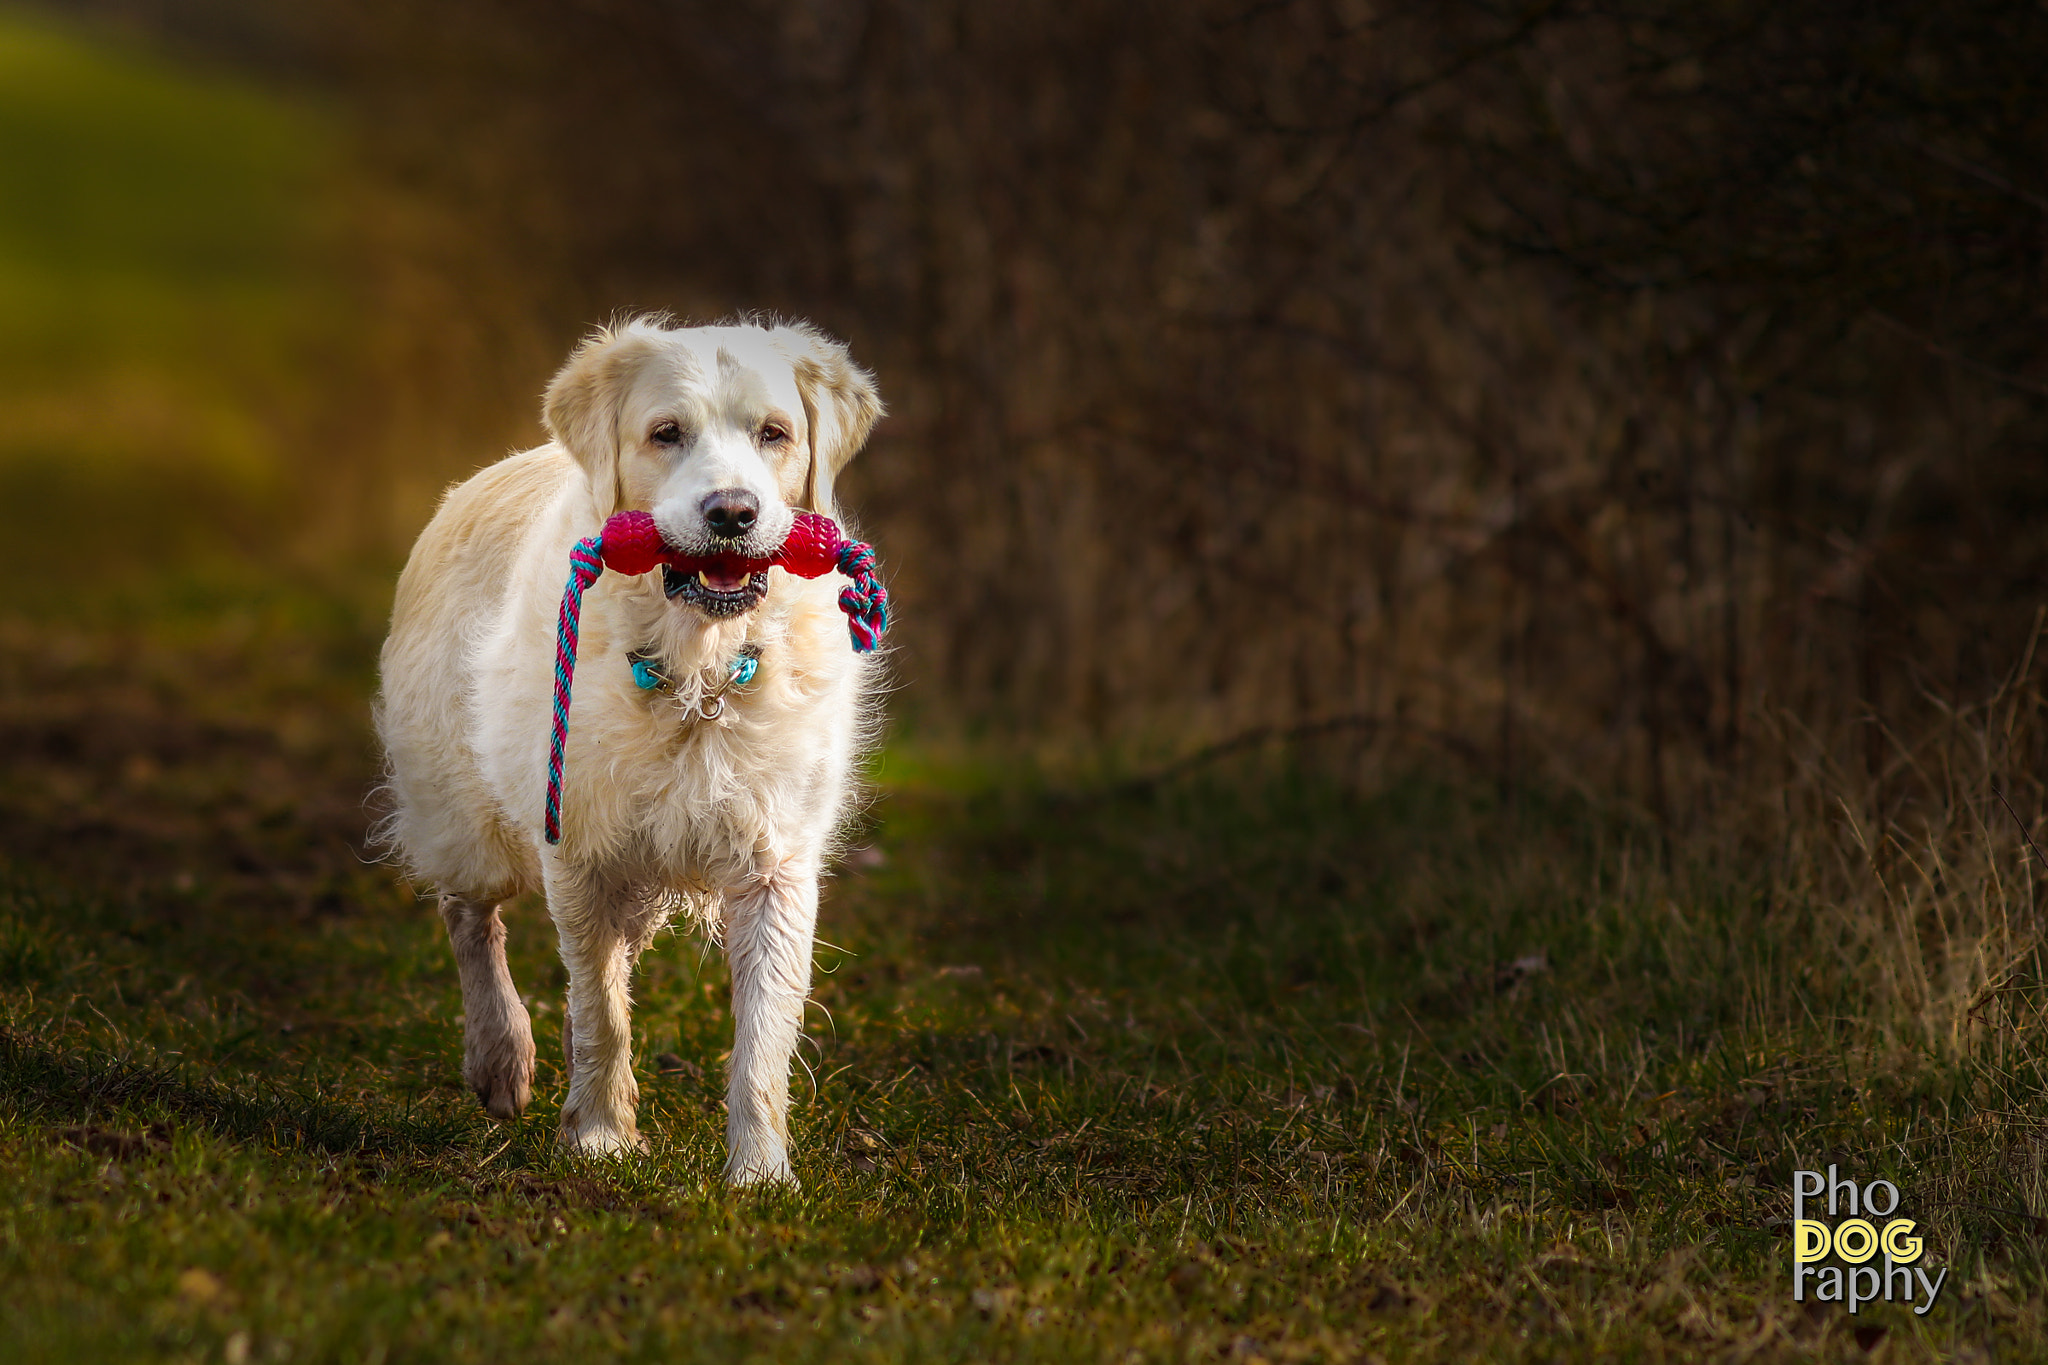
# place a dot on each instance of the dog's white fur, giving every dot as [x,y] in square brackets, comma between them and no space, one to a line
[660,807]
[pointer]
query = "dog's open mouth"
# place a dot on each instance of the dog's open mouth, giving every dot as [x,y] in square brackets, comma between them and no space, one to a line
[721,585]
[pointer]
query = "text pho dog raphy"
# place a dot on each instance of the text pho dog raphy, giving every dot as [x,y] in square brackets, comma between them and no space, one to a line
[719,705]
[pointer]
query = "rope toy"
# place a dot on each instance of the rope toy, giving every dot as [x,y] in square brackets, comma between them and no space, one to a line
[632,544]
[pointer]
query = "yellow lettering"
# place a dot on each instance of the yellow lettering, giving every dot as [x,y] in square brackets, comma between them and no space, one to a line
[1855,1240]
[1903,1250]
[1809,1241]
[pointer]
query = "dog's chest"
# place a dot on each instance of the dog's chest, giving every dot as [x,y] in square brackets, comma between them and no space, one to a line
[652,782]
[715,768]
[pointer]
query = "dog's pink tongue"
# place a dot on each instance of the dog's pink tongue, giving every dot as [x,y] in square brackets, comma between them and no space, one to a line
[725,575]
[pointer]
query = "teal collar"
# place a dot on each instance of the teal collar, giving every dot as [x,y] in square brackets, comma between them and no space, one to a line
[650,674]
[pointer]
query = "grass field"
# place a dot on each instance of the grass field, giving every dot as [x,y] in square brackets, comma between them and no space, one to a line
[1241,1065]
[1245,1063]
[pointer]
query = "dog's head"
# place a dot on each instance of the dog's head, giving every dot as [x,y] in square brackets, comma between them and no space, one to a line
[721,432]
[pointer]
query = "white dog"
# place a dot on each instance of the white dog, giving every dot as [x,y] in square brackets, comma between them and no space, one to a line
[680,794]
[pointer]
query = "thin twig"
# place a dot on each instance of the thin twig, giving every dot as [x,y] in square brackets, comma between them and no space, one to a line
[2021,823]
[1944,351]
[1265,734]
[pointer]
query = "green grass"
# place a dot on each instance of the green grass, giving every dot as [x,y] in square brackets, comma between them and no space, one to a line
[1247,1065]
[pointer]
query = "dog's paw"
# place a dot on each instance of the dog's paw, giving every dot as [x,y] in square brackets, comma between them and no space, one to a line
[504,1098]
[593,1139]
[504,1086]
[762,1170]
[605,1143]
[499,1070]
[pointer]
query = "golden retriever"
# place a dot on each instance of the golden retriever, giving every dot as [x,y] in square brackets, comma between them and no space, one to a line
[676,795]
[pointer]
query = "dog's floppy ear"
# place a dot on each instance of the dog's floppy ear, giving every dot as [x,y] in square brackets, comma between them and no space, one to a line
[582,407]
[840,406]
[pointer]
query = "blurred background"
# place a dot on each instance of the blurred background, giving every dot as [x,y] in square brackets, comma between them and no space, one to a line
[1642,398]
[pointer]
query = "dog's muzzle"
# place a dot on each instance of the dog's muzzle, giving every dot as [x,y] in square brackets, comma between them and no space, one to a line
[727,586]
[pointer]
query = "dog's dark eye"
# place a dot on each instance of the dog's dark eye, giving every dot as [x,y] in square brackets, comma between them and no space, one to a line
[667,434]
[773,435]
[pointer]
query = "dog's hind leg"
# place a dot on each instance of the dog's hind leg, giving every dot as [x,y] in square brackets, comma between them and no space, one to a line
[769,923]
[497,1042]
[598,1117]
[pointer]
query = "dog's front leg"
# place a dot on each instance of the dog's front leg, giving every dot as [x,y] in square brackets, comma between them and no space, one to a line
[599,1116]
[769,922]
[497,1052]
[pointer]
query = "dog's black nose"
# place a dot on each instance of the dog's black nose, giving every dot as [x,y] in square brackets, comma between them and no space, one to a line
[730,512]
